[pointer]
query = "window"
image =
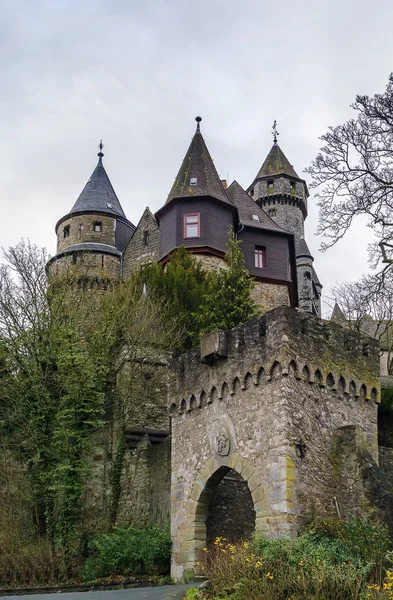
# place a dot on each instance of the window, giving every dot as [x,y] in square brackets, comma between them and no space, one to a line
[146,238]
[191,226]
[270,183]
[255,218]
[260,257]
[66,231]
[109,205]
[74,258]
[193,181]
[80,231]
[272,212]
[293,185]
[97,226]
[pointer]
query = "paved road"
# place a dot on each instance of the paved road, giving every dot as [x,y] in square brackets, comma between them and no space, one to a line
[166,592]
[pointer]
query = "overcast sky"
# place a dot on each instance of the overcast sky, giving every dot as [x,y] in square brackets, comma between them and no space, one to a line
[136,73]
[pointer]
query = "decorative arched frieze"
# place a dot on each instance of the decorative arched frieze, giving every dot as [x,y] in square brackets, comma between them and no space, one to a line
[248,380]
[236,386]
[202,401]
[224,391]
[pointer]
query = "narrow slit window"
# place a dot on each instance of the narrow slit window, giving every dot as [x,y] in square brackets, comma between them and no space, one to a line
[66,231]
[260,257]
[146,237]
[191,226]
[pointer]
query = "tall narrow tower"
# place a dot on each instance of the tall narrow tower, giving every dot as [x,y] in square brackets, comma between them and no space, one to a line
[279,190]
[93,235]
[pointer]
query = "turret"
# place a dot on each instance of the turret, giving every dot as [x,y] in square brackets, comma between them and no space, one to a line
[279,190]
[197,213]
[93,235]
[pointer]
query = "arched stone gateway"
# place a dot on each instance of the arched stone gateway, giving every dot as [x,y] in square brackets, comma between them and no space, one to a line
[267,401]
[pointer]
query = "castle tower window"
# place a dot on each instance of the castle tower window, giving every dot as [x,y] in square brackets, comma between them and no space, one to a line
[74,258]
[193,181]
[270,184]
[191,226]
[97,226]
[293,185]
[272,212]
[260,257]
[66,231]
[80,231]
[146,237]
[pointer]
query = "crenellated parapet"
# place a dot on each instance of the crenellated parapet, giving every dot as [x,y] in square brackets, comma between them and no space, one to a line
[281,343]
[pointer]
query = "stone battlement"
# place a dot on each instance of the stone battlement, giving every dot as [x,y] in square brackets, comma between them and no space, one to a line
[280,343]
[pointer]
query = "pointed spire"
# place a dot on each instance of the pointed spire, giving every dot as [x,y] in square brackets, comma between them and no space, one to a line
[98,193]
[337,313]
[302,249]
[276,163]
[197,175]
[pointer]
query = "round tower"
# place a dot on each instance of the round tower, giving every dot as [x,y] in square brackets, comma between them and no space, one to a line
[93,235]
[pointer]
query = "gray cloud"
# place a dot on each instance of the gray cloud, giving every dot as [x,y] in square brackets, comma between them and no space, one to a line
[137,73]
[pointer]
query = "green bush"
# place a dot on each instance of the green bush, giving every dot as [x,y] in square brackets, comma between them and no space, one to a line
[129,551]
[331,561]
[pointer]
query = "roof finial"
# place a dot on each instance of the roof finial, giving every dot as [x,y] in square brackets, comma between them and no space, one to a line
[275,133]
[100,145]
[198,120]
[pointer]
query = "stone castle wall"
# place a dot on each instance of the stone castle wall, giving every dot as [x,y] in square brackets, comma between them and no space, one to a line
[270,404]
[138,252]
[87,266]
[82,231]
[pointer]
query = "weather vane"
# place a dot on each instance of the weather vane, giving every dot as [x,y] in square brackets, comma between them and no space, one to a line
[275,133]
[100,145]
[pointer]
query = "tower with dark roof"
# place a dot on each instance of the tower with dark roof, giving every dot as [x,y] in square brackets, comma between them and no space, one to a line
[197,213]
[278,189]
[94,234]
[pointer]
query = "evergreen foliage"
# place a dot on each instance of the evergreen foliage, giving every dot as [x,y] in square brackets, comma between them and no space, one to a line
[228,301]
[183,285]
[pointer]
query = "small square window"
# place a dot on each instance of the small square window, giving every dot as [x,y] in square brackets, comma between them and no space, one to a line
[66,231]
[270,183]
[193,181]
[293,185]
[260,257]
[97,226]
[191,226]
[109,205]
[272,212]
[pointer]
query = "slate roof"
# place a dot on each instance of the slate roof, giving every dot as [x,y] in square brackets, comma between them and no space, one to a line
[276,163]
[247,208]
[91,247]
[302,249]
[337,312]
[98,194]
[199,164]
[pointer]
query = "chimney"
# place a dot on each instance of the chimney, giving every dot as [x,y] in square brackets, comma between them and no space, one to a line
[224,183]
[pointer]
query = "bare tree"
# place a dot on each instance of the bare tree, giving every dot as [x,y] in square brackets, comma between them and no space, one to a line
[354,171]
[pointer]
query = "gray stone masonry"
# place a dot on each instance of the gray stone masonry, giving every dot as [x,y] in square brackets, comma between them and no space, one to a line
[143,248]
[292,398]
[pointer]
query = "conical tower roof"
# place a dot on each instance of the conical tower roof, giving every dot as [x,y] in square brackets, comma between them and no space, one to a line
[98,193]
[303,250]
[337,312]
[197,175]
[249,212]
[276,163]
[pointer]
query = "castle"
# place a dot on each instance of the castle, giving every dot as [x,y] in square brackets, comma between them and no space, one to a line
[269,424]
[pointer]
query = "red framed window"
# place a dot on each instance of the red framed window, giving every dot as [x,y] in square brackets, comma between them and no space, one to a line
[260,257]
[191,226]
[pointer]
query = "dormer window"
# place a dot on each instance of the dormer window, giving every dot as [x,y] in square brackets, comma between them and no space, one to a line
[270,184]
[109,205]
[66,231]
[97,226]
[255,218]
[193,181]
[260,257]
[146,237]
[191,226]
